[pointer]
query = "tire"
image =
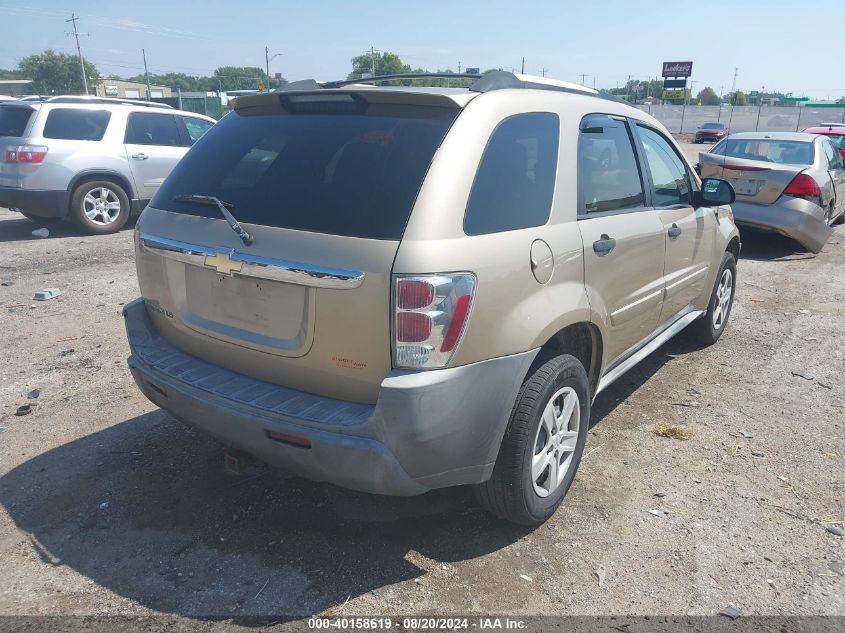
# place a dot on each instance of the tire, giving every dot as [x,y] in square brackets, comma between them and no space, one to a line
[93,206]
[840,219]
[709,328]
[513,493]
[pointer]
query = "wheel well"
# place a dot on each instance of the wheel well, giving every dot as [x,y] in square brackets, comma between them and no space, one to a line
[102,175]
[733,248]
[581,340]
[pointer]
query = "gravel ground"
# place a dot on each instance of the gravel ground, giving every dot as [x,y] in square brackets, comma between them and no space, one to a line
[108,506]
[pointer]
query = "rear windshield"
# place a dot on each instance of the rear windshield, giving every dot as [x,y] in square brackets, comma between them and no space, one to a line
[768,150]
[13,120]
[712,126]
[341,174]
[75,124]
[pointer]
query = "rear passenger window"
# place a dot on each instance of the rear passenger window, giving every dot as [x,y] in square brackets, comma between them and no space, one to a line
[13,121]
[608,175]
[76,124]
[668,173]
[515,181]
[147,128]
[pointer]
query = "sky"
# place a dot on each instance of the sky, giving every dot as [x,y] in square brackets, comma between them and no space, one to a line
[788,46]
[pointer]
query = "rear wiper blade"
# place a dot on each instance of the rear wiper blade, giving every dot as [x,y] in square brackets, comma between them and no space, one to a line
[246,238]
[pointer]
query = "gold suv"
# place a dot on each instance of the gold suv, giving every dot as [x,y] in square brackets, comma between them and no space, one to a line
[396,289]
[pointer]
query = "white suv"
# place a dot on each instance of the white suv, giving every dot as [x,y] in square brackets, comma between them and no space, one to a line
[93,160]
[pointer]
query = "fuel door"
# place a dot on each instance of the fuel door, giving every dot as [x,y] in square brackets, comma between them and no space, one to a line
[542,261]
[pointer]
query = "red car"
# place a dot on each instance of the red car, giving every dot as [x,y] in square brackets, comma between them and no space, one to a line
[835,132]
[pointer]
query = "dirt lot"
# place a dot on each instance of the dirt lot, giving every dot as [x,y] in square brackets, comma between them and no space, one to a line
[108,506]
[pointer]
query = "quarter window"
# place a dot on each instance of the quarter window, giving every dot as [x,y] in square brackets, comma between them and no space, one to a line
[668,173]
[515,182]
[147,128]
[76,124]
[196,128]
[608,175]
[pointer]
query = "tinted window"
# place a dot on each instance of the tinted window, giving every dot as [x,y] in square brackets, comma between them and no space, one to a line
[668,173]
[196,127]
[834,158]
[342,174]
[515,181]
[76,124]
[608,175]
[13,121]
[147,128]
[712,126]
[768,150]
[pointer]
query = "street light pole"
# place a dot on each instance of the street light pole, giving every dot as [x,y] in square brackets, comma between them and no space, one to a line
[759,108]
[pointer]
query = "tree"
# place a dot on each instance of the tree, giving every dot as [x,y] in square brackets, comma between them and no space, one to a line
[239,77]
[708,96]
[57,73]
[385,64]
[9,74]
[739,98]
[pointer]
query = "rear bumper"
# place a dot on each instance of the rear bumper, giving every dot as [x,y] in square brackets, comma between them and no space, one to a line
[795,218]
[427,430]
[700,138]
[39,202]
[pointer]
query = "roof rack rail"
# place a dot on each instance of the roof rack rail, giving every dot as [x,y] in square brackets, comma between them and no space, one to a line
[104,101]
[369,80]
[495,80]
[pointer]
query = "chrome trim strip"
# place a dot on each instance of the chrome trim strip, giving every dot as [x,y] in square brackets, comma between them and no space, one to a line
[639,353]
[254,265]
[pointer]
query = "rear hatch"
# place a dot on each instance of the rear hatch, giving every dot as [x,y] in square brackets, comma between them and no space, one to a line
[15,121]
[759,169]
[324,184]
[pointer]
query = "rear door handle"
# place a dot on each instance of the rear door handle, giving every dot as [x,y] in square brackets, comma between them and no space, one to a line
[604,244]
[675,231]
[140,156]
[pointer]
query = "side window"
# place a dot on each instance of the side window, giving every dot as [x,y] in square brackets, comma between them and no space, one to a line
[515,181]
[196,127]
[76,124]
[834,158]
[608,175]
[668,172]
[148,128]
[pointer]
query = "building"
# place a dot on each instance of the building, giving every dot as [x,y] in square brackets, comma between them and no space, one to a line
[130,89]
[15,87]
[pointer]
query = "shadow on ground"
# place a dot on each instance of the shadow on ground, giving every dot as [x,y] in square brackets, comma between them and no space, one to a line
[19,229]
[763,246]
[145,509]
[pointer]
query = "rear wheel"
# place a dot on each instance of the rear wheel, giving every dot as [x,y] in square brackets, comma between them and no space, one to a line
[708,329]
[543,444]
[100,206]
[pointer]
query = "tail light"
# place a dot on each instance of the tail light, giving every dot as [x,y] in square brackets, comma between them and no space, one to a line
[430,317]
[31,154]
[804,186]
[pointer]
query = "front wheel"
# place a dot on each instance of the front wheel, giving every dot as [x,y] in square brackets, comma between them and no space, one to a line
[543,444]
[100,206]
[708,329]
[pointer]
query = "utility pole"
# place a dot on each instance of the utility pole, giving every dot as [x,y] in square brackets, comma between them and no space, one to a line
[373,57]
[147,75]
[267,59]
[459,68]
[523,65]
[73,19]
[543,71]
[583,78]
[760,108]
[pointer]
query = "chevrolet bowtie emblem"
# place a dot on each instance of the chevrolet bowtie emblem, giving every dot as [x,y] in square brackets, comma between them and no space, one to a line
[223,264]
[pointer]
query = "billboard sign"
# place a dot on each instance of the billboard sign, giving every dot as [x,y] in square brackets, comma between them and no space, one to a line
[674,83]
[473,71]
[677,69]
[669,95]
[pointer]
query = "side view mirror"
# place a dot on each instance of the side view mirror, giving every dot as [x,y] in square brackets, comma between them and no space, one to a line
[715,192]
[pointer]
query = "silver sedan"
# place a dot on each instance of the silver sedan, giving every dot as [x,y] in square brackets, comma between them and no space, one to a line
[789,183]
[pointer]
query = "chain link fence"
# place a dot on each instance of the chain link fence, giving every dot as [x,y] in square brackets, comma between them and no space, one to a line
[685,120]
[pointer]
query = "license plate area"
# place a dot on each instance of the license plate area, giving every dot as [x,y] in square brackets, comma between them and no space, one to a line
[746,186]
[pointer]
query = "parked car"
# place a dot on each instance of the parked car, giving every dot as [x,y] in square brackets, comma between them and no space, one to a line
[386,289]
[833,132]
[787,182]
[93,160]
[711,132]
